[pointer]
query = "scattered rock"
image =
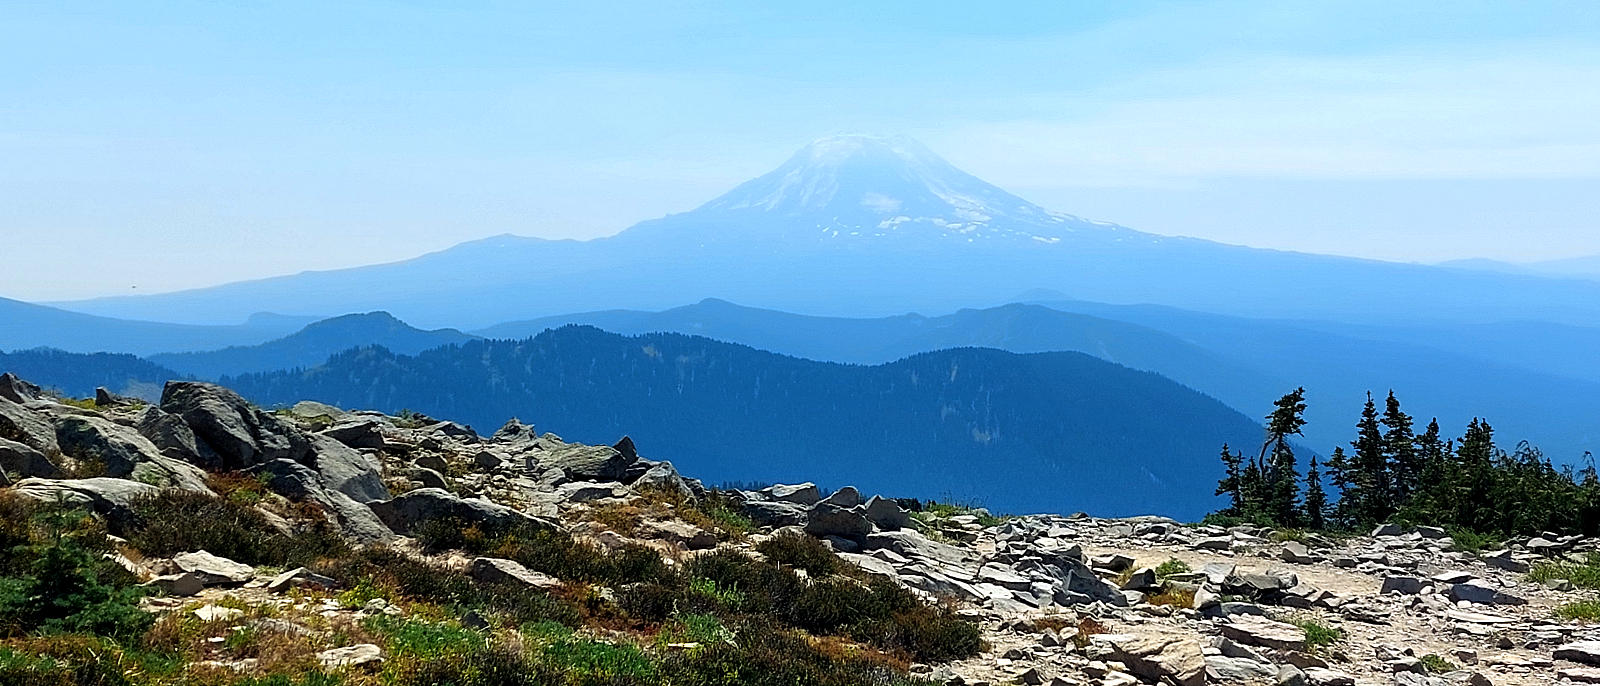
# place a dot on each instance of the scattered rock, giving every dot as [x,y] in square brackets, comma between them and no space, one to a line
[1260,631]
[299,577]
[405,511]
[213,570]
[1585,652]
[351,656]
[499,571]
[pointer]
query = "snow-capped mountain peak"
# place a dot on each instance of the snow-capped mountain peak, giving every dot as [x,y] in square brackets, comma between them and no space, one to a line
[860,185]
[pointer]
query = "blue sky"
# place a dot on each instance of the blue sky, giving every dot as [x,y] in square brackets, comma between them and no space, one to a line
[171,145]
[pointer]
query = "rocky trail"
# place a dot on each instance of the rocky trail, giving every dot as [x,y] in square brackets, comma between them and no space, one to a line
[1060,599]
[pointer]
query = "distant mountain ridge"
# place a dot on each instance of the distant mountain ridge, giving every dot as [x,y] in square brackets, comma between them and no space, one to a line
[862,226]
[1043,431]
[311,346]
[26,325]
[1438,370]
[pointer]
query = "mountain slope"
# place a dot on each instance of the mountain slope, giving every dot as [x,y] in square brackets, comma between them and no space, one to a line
[78,374]
[26,325]
[311,346]
[1015,328]
[861,226]
[1453,371]
[1337,365]
[1046,431]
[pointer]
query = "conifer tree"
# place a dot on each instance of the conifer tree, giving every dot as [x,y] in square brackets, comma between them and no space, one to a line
[1431,501]
[1369,487]
[1280,477]
[1339,476]
[1400,453]
[1316,500]
[1231,484]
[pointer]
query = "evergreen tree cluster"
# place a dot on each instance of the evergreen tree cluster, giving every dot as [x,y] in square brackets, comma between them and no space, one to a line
[1393,473]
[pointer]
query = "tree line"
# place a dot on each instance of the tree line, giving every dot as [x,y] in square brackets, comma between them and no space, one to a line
[1392,473]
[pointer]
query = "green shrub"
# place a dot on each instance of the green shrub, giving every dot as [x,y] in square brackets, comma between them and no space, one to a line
[1585,574]
[1469,541]
[1172,567]
[64,584]
[1318,635]
[1436,664]
[551,552]
[65,661]
[376,572]
[704,629]
[1583,611]
[176,521]
[802,551]
[421,639]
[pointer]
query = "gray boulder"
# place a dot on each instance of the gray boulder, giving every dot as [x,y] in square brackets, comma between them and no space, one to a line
[454,430]
[105,398]
[799,494]
[831,520]
[886,514]
[587,462]
[1482,594]
[357,432]
[124,453]
[1404,585]
[1583,652]
[405,512]
[494,570]
[112,498]
[18,391]
[239,434]
[1142,579]
[773,513]
[846,497]
[298,482]
[22,461]
[299,577]
[513,431]
[175,439]
[427,477]
[213,570]
[20,424]
[664,477]
[347,471]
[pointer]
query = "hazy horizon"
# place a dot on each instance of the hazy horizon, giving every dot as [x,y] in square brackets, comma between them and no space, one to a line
[193,145]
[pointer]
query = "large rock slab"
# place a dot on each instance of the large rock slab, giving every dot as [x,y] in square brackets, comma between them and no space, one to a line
[106,496]
[348,657]
[800,494]
[1482,594]
[173,437]
[239,434]
[212,569]
[1585,652]
[587,462]
[405,512]
[887,514]
[340,468]
[1260,631]
[832,520]
[494,570]
[18,391]
[298,482]
[1165,658]
[123,453]
[662,476]
[20,424]
[22,461]
[357,432]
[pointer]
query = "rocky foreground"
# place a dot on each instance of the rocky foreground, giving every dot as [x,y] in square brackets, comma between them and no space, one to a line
[1059,599]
